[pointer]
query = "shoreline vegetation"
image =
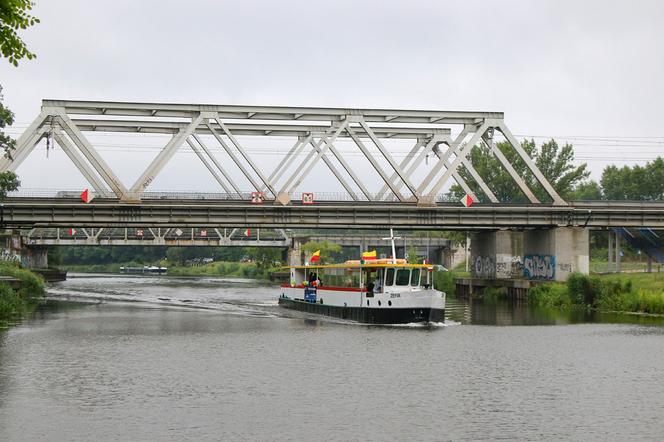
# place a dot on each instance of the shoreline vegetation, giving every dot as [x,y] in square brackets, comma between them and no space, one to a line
[249,270]
[640,293]
[15,304]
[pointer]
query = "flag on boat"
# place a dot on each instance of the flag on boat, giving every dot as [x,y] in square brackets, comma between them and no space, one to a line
[247,233]
[369,255]
[315,257]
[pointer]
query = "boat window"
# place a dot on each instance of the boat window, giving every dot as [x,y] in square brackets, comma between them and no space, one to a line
[415,277]
[389,277]
[403,276]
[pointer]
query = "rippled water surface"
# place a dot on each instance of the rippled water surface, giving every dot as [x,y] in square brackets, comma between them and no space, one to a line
[196,359]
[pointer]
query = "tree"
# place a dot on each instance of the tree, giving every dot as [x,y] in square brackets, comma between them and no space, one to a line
[643,183]
[555,163]
[589,190]
[264,257]
[15,15]
[328,250]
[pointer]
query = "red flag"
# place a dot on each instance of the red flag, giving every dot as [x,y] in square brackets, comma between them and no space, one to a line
[315,257]
[87,196]
[72,231]
[467,201]
[247,233]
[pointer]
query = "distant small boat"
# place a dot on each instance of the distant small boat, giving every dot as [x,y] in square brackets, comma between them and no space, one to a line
[145,270]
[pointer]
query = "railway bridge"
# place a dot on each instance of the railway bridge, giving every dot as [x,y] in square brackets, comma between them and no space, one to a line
[379,159]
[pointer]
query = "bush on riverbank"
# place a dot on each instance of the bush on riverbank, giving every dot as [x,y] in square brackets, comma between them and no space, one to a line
[642,293]
[14,304]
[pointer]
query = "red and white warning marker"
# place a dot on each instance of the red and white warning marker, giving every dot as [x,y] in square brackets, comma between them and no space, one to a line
[72,231]
[247,233]
[87,196]
[467,200]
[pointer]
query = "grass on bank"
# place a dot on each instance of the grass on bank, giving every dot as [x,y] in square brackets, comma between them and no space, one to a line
[14,304]
[635,292]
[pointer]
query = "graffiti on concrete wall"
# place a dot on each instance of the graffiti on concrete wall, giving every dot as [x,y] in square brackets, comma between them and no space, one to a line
[484,267]
[539,266]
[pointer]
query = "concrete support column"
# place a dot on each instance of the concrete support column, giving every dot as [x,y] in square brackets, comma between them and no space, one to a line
[555,253]
[295,257]
[610,257]
[495,254]
[618,266]
[34,258]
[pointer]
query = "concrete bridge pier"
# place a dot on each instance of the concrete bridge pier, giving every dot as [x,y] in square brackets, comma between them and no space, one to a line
[34,257]
[295,253]
[538,254]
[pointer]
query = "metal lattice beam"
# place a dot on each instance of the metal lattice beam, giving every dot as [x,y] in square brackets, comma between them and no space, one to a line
[316,132]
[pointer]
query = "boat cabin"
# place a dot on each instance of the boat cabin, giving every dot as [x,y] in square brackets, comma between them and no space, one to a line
[371,278]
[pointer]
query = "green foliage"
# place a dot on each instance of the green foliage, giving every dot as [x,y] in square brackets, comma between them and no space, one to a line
[554,162]
[444,281]
[588,191]
[642,293]
[550,295]
[264,257]
[15,16]
[11,304]
[32,285]
[328,250]
[642,183]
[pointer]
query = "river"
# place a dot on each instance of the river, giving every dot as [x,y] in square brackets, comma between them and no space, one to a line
[147,358]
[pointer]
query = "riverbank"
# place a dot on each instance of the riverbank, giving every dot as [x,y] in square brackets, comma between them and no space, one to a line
[15,304]
[633,293]
[222,268]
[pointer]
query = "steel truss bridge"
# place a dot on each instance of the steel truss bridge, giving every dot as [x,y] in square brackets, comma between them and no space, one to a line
[404,200]
[232,129]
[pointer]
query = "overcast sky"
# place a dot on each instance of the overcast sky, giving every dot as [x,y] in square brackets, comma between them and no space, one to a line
[563,69]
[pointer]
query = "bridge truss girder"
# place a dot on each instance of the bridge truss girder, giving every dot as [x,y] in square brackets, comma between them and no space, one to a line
[316,129]
[155,236]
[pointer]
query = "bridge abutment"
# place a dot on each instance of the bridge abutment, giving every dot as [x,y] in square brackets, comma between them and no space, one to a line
[34,257]
[538,254]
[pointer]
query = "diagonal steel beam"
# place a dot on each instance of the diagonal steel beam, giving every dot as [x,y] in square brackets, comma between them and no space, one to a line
[476,176]
[208,166]
[218,164]
[557,200]
[404,178]
[333,168]
[462,153]
[305,162]
[91,154]
[375,164]
[508,167]
[238,146]
[286,160]
[232,155]
[25,143]
[348,169]
[164,157]
[79,162]
[322,149]
[404,163]
[454,146]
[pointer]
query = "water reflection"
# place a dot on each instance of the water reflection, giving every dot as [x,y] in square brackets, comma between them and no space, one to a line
[518,312]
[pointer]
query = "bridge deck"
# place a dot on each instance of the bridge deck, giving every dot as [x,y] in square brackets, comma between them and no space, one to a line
[54,212]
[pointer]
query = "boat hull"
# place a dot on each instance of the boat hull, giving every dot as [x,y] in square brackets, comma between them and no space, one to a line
[368,315]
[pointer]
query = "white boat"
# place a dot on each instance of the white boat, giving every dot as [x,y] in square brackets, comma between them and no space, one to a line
[380,291]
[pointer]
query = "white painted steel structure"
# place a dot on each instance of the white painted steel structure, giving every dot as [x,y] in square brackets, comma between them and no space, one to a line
[316,130]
